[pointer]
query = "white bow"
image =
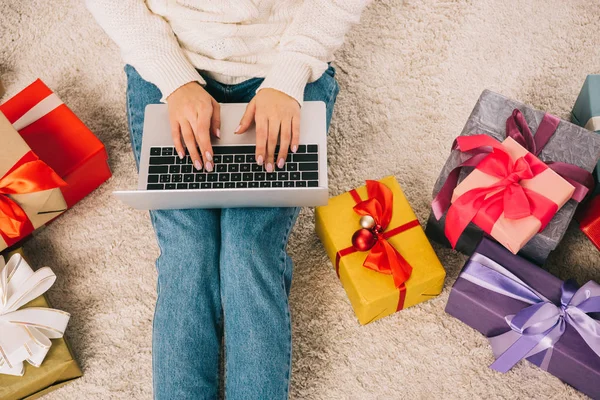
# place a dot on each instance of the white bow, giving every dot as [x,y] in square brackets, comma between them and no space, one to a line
[25,334]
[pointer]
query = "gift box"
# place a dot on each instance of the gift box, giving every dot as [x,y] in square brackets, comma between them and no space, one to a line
[389,264]
[51,135]
[56,369]
[564,147]
[528,313]
[589,220]
[586,111]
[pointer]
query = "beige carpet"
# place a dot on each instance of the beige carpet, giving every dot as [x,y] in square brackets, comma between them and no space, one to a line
[410,74]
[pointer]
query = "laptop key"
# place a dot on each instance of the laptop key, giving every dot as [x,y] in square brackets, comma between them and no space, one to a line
[158,169]
[170,186]
[259,176]
[247,176]
[174,169]
[256,168]
[229,185]
[282,176]
[212,177]
[312,148]
[288,184]
[305,157]
[221,168]
[310,176]
[200,177]
[218,185]
[217,158]
[182,186]
[241,184]
[250,158]
[188,178]
[233,168]
[223,177]
[162,160]
[313,183]
[265,184]
[309,166]
[295,176]
[206,185]
[291,166]
[277,184]
[165,178]
[271,176]
[167,151]
[245,167]
[155,186]
[186,169]
[301,148]
[176,178]
[155,151]
[300,184]
[228,158]
[239,158]
[179,161]
[152,178]
[253,184]
[194,185]
[237,177]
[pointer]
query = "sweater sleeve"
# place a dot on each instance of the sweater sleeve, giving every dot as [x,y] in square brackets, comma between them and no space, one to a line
[147,42]
[309,43]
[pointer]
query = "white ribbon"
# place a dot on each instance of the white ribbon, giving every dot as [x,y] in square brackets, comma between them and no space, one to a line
[36,112]
[593,124]
[25,334]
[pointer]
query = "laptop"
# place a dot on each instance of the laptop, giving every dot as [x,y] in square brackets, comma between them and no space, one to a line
[167,182]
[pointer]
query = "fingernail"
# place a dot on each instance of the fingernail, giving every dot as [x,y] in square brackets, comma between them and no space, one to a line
[198,165]
[237,129]
[280,163]
[259,160]
[208,166]
[294,148]
[269,167]
[208,156]
[218,133]
[181,155]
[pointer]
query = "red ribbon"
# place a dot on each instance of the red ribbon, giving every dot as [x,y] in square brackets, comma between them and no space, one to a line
[28,175]
[382,257]
[507,195]
[516,128]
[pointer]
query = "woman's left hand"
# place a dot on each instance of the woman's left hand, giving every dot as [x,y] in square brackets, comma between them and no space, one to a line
[275,114]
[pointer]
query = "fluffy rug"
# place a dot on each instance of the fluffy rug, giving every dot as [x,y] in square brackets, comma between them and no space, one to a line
[410,75]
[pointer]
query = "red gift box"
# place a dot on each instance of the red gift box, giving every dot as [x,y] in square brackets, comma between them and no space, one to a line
[589,220]
[60,139]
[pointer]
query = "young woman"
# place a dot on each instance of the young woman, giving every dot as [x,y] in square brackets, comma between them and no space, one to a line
[225,272]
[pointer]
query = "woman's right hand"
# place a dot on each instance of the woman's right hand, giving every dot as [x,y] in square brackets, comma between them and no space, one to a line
[194,115]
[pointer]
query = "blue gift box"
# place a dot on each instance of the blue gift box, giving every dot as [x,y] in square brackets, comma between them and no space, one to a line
[586,112]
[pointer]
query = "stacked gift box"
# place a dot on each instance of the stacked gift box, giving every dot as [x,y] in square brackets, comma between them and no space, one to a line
[49,161]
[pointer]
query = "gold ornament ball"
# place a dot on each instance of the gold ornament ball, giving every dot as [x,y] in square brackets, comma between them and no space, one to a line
[367,222]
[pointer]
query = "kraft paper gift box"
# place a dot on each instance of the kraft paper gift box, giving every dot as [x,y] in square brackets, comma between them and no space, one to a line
[374,294]
[496,288]
[569,144]
[60,139]
[57,369]
[586,111]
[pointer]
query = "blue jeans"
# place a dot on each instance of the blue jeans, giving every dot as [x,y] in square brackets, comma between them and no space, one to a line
[221,273]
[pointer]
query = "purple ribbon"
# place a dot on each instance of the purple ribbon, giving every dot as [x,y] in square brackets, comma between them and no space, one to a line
[538,327]
[517,128]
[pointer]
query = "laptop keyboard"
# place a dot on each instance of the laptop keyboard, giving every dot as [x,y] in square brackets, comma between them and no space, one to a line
[234,168]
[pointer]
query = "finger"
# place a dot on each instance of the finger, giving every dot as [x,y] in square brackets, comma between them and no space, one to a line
[202,134]
[295,132]
[262,132]
[247,119]
[190,143]
[176,135]
[284,142]
[274,125]
[215,121]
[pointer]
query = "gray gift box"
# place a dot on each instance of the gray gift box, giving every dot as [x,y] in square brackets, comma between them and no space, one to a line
[570,144]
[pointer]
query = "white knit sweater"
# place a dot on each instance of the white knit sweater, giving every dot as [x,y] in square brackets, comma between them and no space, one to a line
[289,42]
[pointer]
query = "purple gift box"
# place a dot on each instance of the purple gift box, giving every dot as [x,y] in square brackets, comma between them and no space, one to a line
[550,322]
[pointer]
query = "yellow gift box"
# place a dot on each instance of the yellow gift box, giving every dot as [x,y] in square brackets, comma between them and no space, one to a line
[58,368]
[373,294]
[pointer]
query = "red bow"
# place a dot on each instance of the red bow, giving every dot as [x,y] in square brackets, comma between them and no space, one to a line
[506,196]
[383,257]
[28,175]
